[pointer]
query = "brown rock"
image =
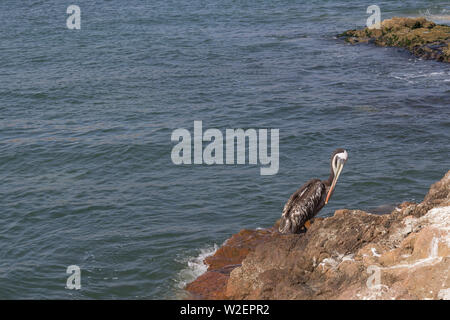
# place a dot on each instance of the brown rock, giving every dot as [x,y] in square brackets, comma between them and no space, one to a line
[211,285]
[237,248]
[351,255]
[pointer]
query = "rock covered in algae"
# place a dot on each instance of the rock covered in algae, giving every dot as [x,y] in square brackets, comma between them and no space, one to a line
[423,38]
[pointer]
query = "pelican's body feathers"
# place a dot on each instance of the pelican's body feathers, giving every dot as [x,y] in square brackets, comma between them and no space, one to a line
[302,206]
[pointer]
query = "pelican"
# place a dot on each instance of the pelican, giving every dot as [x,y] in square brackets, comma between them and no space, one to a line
[307,201]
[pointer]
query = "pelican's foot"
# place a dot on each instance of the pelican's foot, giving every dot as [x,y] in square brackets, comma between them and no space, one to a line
[306,226]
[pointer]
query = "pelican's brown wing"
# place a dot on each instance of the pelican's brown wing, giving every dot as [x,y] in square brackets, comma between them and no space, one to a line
[302,206]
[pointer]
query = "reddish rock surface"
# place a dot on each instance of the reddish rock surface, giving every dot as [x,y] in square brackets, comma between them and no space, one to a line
[211,285]
[351,255]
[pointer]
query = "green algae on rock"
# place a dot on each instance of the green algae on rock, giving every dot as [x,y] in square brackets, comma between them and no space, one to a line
[423,38]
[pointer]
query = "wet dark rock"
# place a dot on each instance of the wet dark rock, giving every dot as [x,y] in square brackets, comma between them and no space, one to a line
[423,38]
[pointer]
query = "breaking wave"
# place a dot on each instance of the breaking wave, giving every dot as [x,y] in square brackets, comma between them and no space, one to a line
[194,266]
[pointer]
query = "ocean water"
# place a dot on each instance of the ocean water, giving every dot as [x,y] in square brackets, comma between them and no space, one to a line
[86,118]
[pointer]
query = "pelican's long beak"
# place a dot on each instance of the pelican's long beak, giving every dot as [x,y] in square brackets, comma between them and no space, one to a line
[340,165]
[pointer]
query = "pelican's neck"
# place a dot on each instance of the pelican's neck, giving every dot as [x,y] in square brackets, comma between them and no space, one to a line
[331,177]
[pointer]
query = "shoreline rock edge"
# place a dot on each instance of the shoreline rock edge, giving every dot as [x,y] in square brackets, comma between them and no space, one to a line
[423,38]
[350,255]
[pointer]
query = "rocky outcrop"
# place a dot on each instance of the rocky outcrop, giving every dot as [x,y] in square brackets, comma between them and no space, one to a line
[423,38]
[351,255]
[212,284]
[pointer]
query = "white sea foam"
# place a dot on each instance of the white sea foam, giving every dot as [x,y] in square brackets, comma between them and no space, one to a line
[195,266]
[412,77]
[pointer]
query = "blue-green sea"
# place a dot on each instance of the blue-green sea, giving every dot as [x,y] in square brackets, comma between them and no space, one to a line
[86,118]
